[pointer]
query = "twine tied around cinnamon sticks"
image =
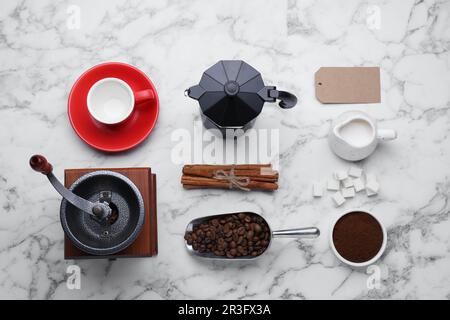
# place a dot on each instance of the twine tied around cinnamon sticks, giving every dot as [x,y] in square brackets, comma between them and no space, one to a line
[236,176]
[238,182]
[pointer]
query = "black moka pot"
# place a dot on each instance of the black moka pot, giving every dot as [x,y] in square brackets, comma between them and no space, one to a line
[231,95]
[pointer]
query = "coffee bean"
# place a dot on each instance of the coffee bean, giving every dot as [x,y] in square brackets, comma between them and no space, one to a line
[231,236]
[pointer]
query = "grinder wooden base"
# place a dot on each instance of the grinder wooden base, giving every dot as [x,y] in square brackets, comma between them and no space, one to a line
[146,244]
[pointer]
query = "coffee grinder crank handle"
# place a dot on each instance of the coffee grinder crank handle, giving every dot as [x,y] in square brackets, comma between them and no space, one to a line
[99,210]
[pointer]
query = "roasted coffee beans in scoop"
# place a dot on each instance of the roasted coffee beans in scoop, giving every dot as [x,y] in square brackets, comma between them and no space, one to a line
[230,236]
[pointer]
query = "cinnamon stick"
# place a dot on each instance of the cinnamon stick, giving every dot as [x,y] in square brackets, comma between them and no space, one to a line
[229,166]
[260,176]
[203,182]
[266,175]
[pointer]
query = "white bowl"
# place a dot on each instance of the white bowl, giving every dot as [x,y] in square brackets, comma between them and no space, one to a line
[358,265]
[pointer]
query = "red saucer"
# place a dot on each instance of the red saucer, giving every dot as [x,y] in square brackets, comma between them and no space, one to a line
[125,135]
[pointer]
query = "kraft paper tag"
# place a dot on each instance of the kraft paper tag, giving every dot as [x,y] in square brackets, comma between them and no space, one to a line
[348,85]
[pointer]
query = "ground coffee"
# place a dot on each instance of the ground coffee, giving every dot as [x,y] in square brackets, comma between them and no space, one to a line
[357,236]
[231,236]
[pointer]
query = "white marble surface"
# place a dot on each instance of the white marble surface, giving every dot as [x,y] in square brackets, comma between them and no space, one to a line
[173,42]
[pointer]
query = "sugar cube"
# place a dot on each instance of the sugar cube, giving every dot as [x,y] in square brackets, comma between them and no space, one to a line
[370,193]
[347,183]
[358,184]
[355,172]
[372,186]
[317,190]
[338,199]
[340,175]
[348,192]
[333,185]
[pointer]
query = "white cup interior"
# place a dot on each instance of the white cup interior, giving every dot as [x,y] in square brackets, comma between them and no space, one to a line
[110,100]
[358,265]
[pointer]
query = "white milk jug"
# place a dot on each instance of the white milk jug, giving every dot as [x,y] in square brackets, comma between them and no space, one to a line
[354,135]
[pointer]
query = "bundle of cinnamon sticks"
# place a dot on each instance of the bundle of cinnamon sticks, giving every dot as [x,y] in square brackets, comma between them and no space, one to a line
[239,176]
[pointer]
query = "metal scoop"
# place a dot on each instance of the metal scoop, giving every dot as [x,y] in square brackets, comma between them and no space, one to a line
[310,232]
